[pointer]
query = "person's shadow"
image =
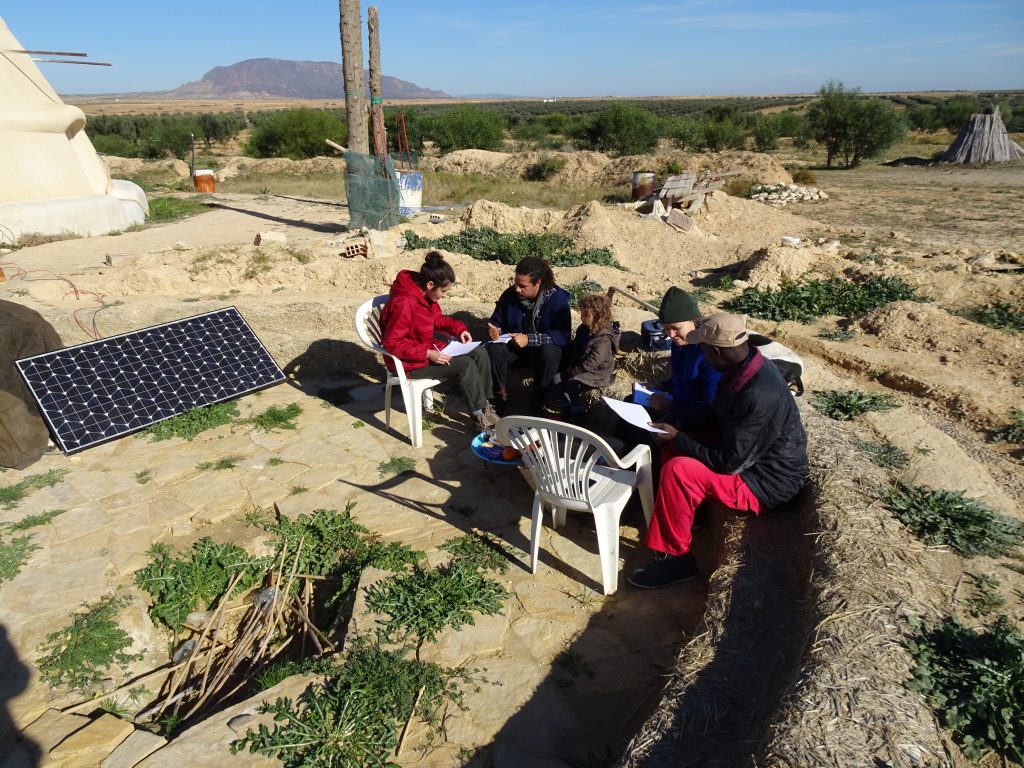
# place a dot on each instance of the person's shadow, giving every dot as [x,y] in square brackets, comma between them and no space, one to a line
[14,678]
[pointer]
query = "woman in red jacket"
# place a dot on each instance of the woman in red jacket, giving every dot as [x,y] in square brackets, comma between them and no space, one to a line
[411,318]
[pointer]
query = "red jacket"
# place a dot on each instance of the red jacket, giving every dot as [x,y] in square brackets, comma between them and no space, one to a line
[410,321]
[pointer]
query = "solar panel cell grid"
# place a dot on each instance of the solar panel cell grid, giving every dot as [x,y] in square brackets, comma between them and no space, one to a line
[98,391]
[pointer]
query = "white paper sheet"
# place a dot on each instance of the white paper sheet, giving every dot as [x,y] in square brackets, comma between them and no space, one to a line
[456,348]
[633,414]
[505,338]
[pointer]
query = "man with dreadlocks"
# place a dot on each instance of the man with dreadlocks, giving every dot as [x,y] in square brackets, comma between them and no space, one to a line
[534,312]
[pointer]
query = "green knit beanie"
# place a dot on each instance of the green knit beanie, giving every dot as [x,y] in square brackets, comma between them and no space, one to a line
[677,306]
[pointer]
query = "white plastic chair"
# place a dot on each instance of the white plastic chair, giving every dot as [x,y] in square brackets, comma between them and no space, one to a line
[563,461]
[415,392]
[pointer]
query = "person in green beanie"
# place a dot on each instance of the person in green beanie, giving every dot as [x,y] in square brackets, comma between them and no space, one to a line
[693,382]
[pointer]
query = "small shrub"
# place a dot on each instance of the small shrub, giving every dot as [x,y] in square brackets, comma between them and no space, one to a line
[804,177]
[1012,432]
[843,405]
[193,422]
[837,335]
[1004,317]
[295,133]
[738,186]
[987,600]
[884,454]
[79,655]
[259,263]
[399,465]
[948,518]
[487,244]
[545,167]
[143,476]
[579,289]
[974,680]
[276,417]
[723,283]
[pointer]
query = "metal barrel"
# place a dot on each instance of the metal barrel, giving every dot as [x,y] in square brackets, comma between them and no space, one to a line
[643,184]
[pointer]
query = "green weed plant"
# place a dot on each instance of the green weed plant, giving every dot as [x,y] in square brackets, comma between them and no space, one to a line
[400,465]
[34,521]
[276,417]
[488,244]
[354,717]
[13,555]
[193,422]
[884,454]
[843,405]
[225,462]
[1005,317]
[974,680]
[579,289]
[164,209]
[949,518]
[193,581]
[807,301]
[423,602]
[1012,432]
[12,495]
[81,654]
[837,335]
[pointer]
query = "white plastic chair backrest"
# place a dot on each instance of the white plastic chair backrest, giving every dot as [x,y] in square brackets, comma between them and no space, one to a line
[371,331]
[559,456]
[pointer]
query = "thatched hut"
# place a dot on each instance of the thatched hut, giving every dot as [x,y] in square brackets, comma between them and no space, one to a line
[983,139]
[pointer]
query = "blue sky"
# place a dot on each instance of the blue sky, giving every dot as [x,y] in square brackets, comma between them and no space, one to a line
[565,48]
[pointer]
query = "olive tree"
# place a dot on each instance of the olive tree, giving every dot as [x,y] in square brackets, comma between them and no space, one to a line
[852,126]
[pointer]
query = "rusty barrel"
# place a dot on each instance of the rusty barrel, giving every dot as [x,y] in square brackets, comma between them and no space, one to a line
[643,184]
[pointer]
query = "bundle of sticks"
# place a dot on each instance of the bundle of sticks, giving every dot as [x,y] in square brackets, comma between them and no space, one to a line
[222,655]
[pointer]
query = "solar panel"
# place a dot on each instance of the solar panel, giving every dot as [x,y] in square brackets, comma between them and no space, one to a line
[98,391]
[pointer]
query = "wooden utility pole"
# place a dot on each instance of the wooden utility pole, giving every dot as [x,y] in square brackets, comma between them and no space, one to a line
[380,136]
[352,68]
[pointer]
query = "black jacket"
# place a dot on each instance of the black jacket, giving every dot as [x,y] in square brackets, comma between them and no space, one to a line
[759,433]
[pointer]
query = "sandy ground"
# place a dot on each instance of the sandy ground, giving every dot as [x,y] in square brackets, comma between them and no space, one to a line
[929,226]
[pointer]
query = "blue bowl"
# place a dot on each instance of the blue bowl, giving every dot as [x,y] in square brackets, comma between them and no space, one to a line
[477,446]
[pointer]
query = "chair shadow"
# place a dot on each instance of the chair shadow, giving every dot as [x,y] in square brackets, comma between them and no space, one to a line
[14,679]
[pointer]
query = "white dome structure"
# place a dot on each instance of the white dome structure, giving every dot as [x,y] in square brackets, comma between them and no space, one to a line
[51,179]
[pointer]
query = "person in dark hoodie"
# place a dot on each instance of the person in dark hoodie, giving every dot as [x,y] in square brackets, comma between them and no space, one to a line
[410,319]
[756,462]
[591,358]
[534,312]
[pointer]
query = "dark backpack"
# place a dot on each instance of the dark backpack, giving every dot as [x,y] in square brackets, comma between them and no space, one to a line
[786,360]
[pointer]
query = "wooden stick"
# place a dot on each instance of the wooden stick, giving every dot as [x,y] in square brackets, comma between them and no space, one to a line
[405,728]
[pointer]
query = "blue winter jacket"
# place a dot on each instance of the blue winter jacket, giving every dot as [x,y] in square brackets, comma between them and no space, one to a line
[694,381]
[554,319]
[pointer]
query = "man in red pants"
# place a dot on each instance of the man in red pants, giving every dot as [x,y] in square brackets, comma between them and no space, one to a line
[757,460]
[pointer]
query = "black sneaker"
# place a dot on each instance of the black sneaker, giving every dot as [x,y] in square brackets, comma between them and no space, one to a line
[664,570]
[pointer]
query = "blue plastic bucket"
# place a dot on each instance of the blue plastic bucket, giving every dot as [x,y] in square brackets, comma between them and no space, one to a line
[410,192]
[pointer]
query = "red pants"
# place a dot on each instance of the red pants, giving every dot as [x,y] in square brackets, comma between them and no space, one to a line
[684,484]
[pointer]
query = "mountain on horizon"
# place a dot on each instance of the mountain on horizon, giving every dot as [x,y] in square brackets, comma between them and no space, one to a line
[284,79]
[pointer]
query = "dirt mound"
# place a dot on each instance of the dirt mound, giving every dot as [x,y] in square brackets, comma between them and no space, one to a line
[467,161]
[505,218]
[249,166]
[768,268]
[763,169]
[129,167]
[909,326]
